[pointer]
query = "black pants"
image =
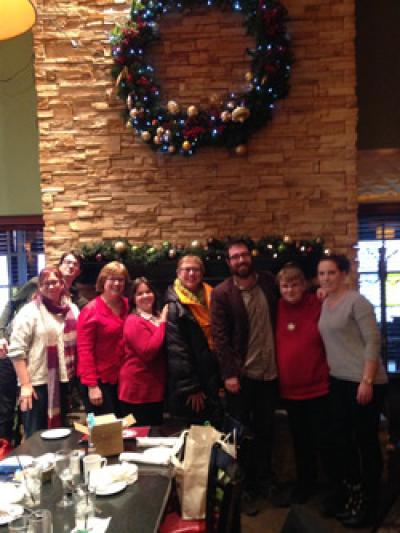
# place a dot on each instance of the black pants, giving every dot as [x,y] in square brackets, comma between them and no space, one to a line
[355,431]
[110,400]
[310,424]
[36,418]
[146,414]
[255,406]
[8,398]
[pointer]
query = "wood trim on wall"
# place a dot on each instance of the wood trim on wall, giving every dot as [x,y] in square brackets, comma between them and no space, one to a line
[22,222]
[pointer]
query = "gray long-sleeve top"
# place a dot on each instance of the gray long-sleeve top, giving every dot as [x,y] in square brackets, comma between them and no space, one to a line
[351,337]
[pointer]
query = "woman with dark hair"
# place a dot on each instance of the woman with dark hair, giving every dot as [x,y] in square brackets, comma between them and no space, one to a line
[100,345]
[142,376]
[357,385]
[43,349]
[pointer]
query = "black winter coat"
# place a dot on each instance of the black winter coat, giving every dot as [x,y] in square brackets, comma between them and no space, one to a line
[192,366]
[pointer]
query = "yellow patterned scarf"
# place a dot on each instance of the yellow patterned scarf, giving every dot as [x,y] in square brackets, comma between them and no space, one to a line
[199,305]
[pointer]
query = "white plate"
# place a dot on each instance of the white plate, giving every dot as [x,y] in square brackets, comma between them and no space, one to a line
[25,460]
[57,433]
[11,492]
[9,511]
[113,488]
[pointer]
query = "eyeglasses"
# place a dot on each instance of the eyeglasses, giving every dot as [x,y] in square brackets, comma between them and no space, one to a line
[195,270]
[49,284]
[236,257]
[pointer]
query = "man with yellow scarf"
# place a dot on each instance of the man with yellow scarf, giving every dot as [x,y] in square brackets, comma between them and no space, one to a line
[193,373]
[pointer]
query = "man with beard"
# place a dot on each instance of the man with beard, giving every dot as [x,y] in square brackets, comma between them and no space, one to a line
[243,312]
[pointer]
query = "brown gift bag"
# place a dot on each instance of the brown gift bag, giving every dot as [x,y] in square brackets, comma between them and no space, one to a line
[191,474]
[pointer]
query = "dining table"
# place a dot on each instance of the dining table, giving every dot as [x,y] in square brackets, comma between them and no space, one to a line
[137,509]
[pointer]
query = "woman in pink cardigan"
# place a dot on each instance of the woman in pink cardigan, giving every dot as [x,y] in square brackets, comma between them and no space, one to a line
[142,376]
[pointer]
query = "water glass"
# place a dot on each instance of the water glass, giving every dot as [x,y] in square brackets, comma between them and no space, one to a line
[85,507]
[41,521]
[62,466]
[32,476]
[19,525]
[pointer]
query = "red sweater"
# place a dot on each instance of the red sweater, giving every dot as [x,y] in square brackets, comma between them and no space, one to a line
[100,346]
[143,372]
[303,370]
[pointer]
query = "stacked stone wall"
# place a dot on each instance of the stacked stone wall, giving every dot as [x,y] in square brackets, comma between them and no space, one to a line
[99,181]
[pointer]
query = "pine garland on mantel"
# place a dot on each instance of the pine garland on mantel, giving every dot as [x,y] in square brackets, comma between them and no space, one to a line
[277,249]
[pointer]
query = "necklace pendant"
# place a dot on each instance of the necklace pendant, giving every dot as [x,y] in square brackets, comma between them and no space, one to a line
[291,326]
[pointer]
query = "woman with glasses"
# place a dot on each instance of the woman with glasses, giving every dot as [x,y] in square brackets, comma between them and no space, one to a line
[193,376]
[100,345]
[43,349]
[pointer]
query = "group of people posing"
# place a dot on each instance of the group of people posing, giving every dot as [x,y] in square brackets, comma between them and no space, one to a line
[235,350]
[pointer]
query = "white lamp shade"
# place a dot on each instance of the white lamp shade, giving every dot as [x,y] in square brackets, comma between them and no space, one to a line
[16,17]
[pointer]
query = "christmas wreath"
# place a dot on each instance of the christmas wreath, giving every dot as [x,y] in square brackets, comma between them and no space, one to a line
[230,123]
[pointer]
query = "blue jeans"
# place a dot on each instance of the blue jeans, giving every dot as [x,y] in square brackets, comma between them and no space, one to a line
[36,418]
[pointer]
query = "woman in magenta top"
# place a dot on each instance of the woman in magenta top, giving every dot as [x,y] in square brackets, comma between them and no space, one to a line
[100,345]
[142,376]
[303,378]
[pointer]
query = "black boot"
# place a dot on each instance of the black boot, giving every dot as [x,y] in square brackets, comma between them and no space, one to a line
[352,502]
[362,515]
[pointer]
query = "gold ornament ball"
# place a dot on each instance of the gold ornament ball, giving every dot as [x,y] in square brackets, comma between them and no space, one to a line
[146,136]
[240,114]
[128,124]
[156,139]
[160,131]
[254,252]
[186,145]
[133,113]
[241,149]
[173,107]
[192,111]
[248,76]
[226,116]
[120,247]
[171,149]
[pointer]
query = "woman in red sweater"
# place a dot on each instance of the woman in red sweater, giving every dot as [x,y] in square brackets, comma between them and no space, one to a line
[303,377]
[100,345]
[142,376]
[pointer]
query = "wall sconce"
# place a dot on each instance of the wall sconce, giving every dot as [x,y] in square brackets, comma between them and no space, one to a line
[16,17]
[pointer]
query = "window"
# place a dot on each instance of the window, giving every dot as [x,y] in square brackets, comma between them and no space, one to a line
[21,257]
[379,277]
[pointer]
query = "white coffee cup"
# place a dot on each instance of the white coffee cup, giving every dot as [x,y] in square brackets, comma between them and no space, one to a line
[91,462]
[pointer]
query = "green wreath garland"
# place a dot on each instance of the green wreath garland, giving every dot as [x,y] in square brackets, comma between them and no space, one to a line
[173,130]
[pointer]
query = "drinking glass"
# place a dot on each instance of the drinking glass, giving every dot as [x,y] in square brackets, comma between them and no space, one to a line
[32,476]
[19,525]
[85,507]
[62,462]
[40,521]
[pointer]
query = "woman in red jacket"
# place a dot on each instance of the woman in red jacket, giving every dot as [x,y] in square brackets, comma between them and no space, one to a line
[143,372]
[100,345]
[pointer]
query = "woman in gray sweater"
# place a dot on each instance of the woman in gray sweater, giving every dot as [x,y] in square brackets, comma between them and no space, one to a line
[357,385]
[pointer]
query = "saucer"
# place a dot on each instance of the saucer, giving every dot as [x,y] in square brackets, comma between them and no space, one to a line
[112,488]
[9,511]
[57,433]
